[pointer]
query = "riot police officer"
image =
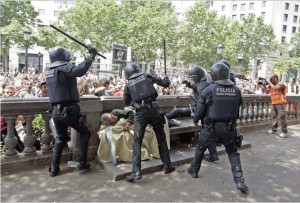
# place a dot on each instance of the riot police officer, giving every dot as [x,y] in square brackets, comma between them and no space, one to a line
[198,83]
[231,73]
[219,121]
[140,92]
[64,96]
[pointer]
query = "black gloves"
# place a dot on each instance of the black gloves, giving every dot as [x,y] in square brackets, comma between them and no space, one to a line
[166,81]
[92,52]
[187,84]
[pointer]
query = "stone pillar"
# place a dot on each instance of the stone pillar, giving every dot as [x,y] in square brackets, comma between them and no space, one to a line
[11,140]
[29,138]
[46,136]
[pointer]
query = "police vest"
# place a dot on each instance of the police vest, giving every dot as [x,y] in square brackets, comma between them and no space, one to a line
[278,95]
[140,87]
[225,103]
[61,92]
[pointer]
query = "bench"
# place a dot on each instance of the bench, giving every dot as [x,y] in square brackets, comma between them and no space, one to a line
[186,130]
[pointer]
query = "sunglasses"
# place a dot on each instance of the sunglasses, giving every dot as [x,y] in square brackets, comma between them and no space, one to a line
[8,92]
[28,83]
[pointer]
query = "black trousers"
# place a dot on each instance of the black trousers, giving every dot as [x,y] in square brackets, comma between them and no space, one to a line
[186,112]
[62,118]
[228,138]
[142,118]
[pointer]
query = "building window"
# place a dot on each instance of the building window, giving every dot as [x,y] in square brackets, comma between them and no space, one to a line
[285,17]
[223,8]
[263,4]
[282,39]
[294,29]
[243,6]
[233,17]
[284,27]
[41,12]
[234,7]
[263,14]
[296,8]
[251,6]
[287,5]
[56,13]
[242,16]
[295,19]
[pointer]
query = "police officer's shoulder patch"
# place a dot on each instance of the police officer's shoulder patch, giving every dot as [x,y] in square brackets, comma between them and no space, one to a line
[49,73]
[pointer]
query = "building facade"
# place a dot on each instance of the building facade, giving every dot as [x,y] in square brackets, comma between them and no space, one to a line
[283,16]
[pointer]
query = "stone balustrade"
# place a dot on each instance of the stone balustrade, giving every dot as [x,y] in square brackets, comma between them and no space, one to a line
[254,112]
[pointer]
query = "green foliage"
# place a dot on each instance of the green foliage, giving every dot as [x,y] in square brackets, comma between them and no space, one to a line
[97,20]
[145,24]
[38,126]
[3,148]
[15,16]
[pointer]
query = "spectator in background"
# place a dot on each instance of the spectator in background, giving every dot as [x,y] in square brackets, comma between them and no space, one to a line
[26,92]
[43,90]
[292,87]
[106,85]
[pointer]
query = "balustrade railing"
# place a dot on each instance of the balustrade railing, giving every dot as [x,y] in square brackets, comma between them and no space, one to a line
[254,111]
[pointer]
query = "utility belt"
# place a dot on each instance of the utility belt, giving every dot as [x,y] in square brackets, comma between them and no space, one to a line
[145,105]
[231,124]
[64,108]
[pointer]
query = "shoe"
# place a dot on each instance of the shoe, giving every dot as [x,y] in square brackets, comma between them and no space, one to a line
[211,158]
[54,170]
[134,176]
[272,132]
[174,122]
[242,186]
[169,169]
[193,174]
[283,135]
[83,166]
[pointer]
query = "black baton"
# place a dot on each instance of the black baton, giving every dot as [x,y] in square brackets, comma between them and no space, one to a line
[72,38]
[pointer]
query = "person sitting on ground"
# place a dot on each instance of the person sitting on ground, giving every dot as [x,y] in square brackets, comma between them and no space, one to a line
[116,138]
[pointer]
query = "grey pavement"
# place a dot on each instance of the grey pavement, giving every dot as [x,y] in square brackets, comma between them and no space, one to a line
[271,169]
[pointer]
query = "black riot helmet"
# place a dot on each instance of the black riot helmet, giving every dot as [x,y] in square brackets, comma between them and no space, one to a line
[59,54]
[220,74]
[131,69]
[225,62]
[196,74]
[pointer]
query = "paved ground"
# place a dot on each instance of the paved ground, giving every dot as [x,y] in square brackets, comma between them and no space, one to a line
[271,169]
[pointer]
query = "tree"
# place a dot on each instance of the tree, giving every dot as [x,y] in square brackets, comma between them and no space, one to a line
[200,34]
[256,39]
[15,16]
[145,24]
[94,21]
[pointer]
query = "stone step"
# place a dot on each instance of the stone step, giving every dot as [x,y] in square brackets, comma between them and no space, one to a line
[180,154]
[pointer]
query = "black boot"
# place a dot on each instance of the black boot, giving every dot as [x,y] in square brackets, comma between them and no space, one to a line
[57,150]
[169,169]
[211,158]
[83,149]
[242,186]
[192,173]
[134,176]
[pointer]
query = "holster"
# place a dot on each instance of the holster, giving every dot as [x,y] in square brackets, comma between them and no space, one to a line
[239,140]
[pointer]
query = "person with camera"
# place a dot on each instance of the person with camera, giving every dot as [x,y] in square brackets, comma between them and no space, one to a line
[64,96]
[277,90]
[219,122]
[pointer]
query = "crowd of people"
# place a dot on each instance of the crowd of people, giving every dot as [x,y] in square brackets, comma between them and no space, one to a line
[30,83]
